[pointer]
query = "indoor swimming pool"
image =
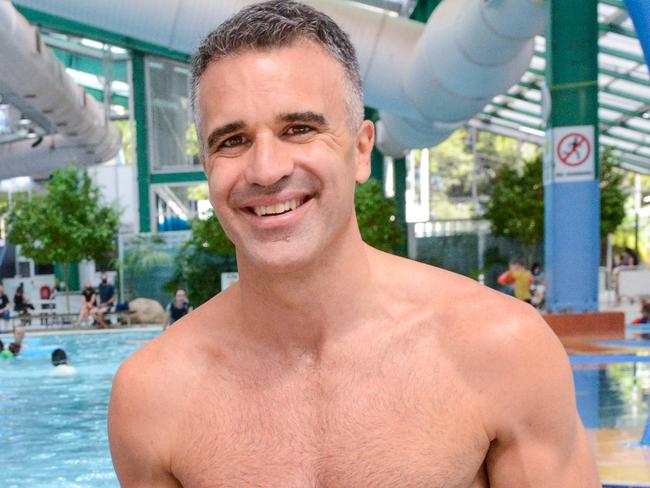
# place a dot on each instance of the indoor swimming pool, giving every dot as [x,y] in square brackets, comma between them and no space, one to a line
[53,430]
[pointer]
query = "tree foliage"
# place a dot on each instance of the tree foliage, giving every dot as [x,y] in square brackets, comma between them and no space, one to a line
[200,262]
[516,209]
[376,216]
[209,252]
[67,224]
[143,255]
[612,196]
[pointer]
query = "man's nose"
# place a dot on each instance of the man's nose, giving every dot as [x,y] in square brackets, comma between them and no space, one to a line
[269,162]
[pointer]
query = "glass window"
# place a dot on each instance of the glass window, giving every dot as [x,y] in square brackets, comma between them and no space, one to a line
[176,205]
[172,137]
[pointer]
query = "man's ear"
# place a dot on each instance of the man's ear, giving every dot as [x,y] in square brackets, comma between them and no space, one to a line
[364,143]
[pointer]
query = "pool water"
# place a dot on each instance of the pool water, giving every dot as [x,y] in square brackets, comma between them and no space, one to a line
[613,395]
[53,429]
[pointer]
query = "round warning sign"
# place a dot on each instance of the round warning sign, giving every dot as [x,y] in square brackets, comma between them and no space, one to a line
[574,149]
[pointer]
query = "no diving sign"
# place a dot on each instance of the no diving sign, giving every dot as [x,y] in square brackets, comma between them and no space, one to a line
[573,153]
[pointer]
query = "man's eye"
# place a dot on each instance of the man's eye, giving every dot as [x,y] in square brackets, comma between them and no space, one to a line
[297,130]
[233,141]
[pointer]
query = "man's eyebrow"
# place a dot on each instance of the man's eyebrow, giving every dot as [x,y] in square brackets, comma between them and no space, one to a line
[219,132]
[309,117]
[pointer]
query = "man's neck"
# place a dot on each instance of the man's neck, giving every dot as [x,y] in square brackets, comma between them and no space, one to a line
[301,312]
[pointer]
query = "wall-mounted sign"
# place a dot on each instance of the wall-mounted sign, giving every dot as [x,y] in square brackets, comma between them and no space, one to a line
[573,153]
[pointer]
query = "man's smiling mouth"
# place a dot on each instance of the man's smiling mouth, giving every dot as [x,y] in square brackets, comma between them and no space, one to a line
[278,208]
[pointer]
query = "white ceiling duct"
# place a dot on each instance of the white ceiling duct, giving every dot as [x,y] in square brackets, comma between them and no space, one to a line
[425,80]
[80,133]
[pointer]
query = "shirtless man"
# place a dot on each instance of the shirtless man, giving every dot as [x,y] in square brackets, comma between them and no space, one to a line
[331,364]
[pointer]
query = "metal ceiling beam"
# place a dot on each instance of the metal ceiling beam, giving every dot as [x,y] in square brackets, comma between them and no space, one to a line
[614,108]
[70,45]
[79,29]
[636,58]
[605,71]
[617,29]
[625,76]
[614,3]
[625,94]
[115,98]
[505,106]
[640,143]
[92,66]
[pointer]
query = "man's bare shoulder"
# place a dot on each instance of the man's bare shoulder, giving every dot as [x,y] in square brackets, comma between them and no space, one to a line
[465,314]
[444,292]
[165,365]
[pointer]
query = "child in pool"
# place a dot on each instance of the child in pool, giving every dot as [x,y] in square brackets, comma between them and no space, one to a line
[5,353]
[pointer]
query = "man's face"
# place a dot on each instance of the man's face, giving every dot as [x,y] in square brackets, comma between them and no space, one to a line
[281,158]
[180,296]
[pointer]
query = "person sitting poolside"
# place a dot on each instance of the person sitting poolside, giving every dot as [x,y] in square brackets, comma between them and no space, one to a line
[645,313]
[106,293]
[60,363]
[5,305]
[178,308]
[88,303]
[22,306]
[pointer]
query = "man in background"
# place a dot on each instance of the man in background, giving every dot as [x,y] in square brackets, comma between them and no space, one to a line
[106,292]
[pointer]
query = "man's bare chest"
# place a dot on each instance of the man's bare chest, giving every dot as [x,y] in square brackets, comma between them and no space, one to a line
[361,431]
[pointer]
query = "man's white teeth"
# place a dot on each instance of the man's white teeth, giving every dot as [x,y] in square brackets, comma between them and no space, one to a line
[278,208]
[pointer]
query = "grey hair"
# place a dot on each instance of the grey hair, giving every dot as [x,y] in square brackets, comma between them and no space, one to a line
[275,24]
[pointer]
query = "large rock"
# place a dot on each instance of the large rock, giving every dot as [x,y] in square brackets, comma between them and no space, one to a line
[146,311]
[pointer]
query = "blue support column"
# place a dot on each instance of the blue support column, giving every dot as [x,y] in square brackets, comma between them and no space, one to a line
[571,178]
[640,14]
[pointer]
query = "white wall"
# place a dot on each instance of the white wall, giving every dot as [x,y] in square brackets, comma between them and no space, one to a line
[117,184]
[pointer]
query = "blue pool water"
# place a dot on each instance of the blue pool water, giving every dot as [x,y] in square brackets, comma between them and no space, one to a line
[613,395]
[53,430]
[613,391]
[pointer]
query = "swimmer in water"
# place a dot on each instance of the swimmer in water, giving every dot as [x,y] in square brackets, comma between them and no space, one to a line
[5,353]
[17,345]
[60,363]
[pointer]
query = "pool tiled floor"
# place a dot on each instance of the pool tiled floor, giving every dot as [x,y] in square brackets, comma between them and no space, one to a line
[620,462]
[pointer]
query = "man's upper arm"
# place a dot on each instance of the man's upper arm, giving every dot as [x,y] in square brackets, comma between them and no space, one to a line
[136,441]
[540,441]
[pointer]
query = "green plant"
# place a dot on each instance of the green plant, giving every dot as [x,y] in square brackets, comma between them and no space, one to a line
[376,217]
[516,208]
[143,255]
[65,225]
[202,259]
[612,196]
